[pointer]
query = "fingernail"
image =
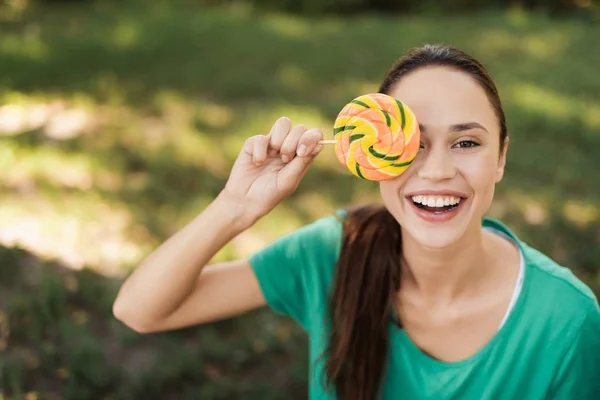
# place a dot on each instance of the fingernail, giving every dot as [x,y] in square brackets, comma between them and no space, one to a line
[301,150]
[285,158]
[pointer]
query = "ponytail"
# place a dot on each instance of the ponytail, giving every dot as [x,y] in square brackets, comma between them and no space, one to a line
[366,280]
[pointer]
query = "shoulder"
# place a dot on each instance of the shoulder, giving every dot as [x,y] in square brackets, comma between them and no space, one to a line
[320,239]
[327,230]
[306,253]
[557,301]
[320,236]
[549,278]
[557,278]
[560,297]
[294,270]
[576,376]
[564,307]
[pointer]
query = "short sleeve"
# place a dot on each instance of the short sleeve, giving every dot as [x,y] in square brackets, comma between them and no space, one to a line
[578,377]
[294,271]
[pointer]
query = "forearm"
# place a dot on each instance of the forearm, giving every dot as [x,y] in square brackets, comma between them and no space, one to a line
[159,285]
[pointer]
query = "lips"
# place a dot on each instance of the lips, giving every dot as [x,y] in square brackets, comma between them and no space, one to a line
[436,206]
[437,193]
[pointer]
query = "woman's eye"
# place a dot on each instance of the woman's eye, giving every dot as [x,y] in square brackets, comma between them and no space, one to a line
[465,144]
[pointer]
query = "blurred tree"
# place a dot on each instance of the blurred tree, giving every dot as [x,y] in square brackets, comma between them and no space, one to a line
[397,6]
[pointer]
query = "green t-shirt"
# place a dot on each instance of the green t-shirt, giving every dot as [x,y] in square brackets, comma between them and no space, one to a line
[548,347]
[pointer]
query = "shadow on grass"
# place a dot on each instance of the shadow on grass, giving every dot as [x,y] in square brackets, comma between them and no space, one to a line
[65,344]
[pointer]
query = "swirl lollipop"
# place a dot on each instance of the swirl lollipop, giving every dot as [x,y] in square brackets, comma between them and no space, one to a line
[376,137]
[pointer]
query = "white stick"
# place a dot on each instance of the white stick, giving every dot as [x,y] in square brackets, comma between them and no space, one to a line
[328,141]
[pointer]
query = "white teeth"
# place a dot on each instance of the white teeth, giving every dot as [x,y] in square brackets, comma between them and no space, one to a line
[436,201]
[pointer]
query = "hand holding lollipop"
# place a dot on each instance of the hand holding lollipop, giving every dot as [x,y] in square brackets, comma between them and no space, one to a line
[376,138]
[270,167]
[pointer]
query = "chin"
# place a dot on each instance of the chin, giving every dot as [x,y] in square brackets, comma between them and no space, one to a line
[434,238]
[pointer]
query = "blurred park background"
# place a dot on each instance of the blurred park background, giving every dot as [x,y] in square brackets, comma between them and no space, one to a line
[120,120]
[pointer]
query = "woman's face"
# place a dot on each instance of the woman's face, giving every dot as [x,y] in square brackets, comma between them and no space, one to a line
[450,184]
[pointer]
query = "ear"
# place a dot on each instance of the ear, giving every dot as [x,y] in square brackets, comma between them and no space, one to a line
[502,161]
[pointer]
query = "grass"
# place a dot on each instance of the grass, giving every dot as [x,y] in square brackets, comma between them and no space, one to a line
[119,122]
[64,345]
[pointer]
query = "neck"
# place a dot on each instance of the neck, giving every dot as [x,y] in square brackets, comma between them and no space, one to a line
[443,274]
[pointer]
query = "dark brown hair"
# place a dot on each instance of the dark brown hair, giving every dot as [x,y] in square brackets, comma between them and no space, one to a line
[367,276]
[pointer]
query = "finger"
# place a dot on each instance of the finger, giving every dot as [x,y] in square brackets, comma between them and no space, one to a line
[259,149]
[317,149]
[248,147]
[308,144]
[290,175]
[278,132]
[290,144]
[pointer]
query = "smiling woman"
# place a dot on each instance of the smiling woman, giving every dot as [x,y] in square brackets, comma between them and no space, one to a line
[420,297]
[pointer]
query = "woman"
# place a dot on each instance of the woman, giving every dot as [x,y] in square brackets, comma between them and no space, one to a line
[419,298]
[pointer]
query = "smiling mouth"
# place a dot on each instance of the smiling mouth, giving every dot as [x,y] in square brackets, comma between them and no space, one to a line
[437,204]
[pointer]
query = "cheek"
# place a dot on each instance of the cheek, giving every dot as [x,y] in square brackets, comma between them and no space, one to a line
[480,172]
[391,190]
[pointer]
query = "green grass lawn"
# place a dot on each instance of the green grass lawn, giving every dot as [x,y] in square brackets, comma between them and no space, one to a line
[119,123]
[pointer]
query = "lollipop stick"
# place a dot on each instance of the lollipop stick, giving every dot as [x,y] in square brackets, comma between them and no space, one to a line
[327,141]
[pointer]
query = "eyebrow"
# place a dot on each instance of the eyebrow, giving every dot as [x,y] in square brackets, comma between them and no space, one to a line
[459,127]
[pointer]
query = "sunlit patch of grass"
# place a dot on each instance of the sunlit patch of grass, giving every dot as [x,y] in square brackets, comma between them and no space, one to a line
[554,105]
[30,46]
[545,46]
[215,116]
[80,230]
[54,116]
[582,214]
[518,17]
[496,39]
[533,208]
[292,77]
[285,25]
[313,205]
[280,221]
[45,164]
[126,34]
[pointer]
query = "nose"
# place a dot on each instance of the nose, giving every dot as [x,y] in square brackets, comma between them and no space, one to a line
[437,165]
